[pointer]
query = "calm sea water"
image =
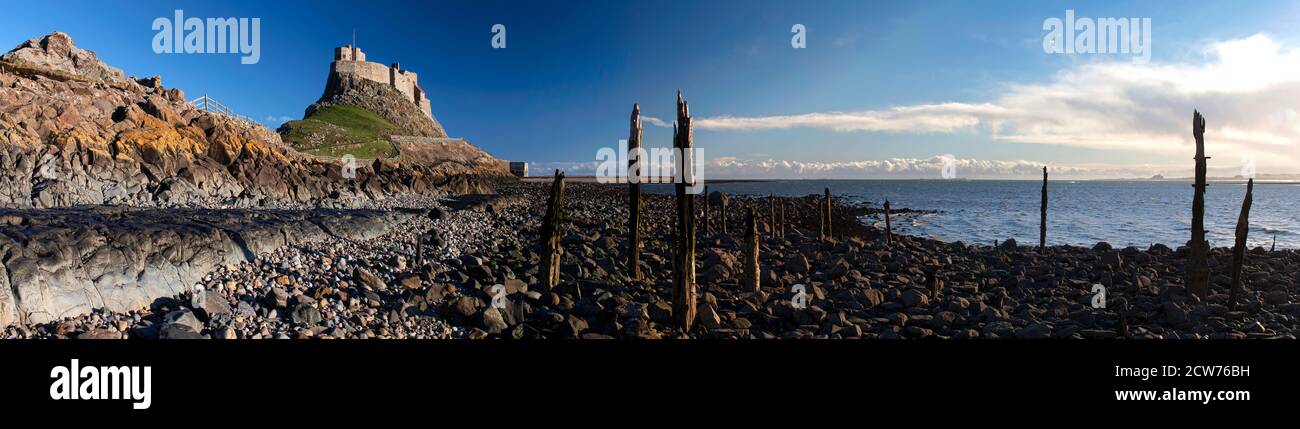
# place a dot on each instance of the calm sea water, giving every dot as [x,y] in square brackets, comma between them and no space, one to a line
[1123,213]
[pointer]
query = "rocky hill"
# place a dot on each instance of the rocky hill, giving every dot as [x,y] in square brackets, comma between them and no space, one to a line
[383,100]
[369,119]
[74,131]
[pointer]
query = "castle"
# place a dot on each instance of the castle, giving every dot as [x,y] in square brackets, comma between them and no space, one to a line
[350,60]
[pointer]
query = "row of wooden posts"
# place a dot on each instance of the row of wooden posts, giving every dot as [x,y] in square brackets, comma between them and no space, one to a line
[684,287]
[1197,267]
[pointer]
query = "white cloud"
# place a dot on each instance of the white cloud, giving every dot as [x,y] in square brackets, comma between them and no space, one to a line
[277,120]
[925,118]
[1249,90]
[903,168]
[919,168]
[656,121]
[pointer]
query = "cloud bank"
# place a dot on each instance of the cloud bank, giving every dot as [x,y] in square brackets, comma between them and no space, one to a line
[1249,89]
[902,168]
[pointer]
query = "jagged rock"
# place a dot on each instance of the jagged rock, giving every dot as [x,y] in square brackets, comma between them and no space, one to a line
[277,298]
[367,278]
[872,297]
[173,331]
[56,52]
[77,132]
[306,313]
[493,322]
[211,305]
[183,317]
[123,259]
[913,297]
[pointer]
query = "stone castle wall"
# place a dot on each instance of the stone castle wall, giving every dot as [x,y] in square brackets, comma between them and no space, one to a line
[367,70]
[352,61]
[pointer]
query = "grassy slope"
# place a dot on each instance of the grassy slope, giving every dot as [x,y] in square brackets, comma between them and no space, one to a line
[360,136]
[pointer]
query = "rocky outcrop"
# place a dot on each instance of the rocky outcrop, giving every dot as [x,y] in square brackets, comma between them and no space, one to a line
[56,54]
[65,262]
[74,131]
[445,156]
[383,100]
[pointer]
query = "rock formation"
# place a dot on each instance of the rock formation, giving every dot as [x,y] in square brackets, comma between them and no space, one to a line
[74,131]
[346,89]
[65,262]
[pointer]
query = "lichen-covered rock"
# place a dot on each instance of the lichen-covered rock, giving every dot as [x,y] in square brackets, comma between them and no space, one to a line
[74,131]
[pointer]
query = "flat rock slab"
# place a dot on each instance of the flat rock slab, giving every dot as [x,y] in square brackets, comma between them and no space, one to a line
[57,263]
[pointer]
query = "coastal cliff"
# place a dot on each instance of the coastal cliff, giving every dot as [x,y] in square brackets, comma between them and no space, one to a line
[75,131]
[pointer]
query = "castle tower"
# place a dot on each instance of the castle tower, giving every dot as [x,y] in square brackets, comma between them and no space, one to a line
[351,60]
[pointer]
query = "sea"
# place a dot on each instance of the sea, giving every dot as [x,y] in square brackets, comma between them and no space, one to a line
[1081,213]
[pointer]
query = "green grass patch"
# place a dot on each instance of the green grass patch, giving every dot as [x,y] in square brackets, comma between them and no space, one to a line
[343,129]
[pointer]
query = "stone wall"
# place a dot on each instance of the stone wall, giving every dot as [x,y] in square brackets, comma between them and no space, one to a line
[350,60]
[366,70]
[404,82]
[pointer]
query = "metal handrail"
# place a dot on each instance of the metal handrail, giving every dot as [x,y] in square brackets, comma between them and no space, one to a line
[208,104]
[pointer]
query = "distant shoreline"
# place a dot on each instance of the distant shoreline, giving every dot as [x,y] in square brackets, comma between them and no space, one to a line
[592,179]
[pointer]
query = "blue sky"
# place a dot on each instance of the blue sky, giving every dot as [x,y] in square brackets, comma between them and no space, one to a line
[565,84]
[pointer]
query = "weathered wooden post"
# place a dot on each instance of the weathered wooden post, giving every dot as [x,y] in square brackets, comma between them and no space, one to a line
[751,253]
[1239,251]
[707,229]
[1122,327]
[781,229]
[935,285]
[552,231]
[889,228]
[1198,265]
[684,260]
[1042,215]
[771,216]
[826,215]
[723,203]
[634,196]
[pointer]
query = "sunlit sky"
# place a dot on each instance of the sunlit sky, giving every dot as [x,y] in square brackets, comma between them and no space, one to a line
[881,90]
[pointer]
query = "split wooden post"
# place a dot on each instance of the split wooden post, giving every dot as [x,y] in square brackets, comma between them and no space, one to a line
[707,228]
[1239,250]
[684,260]
[889,228]
[751,253]
[781,230]
[826,215]
[634,196]
[552,231]
[1042,216]
[723,202]
[1198,264]
[771,216]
